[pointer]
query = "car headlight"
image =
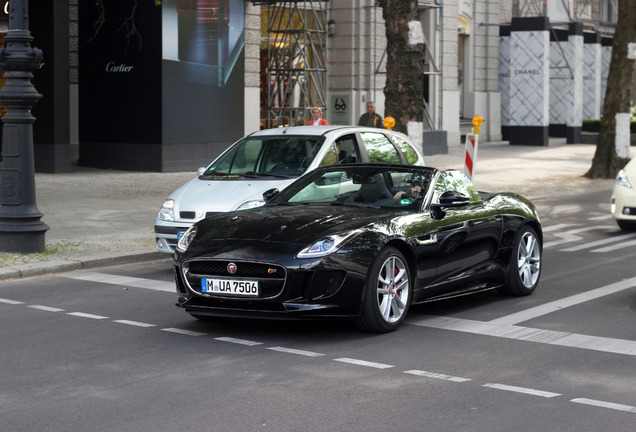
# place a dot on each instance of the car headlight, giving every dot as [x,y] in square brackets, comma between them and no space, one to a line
[251,204]
[327,245]
[186,239]
[622,180]
[166,212]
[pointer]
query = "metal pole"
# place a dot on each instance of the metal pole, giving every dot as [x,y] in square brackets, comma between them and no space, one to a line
[20,227]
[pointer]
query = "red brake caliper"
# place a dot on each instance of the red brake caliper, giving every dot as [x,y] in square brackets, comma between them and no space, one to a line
[395,273]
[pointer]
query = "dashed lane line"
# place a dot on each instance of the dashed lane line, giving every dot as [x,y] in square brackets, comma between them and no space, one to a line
[238,341]
[438,376]
[363,363]
[134,323]
[11,302]
[183,332]
[524,390]
[296,351]
[602,404]
[46,308]
[85,315]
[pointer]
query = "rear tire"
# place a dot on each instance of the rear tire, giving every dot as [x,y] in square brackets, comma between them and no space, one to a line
[524,268]
[387,293]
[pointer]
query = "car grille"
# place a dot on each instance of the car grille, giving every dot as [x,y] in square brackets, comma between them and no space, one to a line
[271,277]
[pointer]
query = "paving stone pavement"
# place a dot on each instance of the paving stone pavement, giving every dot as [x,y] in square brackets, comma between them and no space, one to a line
[106,217]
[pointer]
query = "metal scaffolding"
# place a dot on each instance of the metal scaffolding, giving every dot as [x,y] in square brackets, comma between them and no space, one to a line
[296,69]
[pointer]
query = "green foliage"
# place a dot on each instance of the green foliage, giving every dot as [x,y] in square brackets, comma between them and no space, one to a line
[594,125]
[591,125]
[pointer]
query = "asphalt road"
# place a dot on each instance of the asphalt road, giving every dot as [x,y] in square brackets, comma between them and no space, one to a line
[106,350]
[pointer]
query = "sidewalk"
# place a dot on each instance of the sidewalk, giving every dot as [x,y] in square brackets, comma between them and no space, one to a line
[103,217]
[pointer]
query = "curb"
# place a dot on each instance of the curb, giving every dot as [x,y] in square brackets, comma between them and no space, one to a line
[91,262]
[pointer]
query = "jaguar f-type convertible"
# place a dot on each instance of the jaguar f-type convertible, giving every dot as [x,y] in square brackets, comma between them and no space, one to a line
[362,241]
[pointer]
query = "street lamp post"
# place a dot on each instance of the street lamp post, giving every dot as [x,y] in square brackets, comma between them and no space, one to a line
[20,227]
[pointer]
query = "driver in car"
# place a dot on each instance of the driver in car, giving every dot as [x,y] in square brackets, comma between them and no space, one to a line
[416,189]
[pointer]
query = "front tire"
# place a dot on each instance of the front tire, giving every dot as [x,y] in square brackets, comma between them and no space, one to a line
[387,293]
[626,225]
[524,268]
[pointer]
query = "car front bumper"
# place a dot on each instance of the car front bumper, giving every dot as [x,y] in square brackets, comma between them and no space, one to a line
[623,205]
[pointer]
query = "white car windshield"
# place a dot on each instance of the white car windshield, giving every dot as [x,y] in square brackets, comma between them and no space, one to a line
[279,156]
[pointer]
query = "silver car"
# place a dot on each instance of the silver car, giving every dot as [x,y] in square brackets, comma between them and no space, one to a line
[268,159]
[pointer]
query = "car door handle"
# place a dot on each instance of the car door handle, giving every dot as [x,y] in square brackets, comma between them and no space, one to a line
[428,240]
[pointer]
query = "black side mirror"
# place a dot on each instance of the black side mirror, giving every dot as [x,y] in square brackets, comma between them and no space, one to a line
[269,194]
[449,199]
[453,199]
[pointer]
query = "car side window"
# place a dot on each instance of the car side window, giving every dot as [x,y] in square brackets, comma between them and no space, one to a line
[379,148]
[406,149]
[456,181]
[343,150]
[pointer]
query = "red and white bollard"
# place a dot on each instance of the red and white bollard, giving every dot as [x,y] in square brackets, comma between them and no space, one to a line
[471,154]
[472,139]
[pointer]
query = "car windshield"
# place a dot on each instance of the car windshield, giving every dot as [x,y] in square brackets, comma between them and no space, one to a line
[267,156]
[372,186]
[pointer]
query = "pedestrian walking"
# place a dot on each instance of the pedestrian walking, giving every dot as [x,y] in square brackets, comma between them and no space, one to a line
[371,118]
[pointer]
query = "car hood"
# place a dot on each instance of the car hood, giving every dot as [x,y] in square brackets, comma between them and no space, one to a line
[203,196]
[300,225]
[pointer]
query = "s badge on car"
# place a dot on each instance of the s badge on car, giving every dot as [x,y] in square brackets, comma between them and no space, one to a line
[231,268]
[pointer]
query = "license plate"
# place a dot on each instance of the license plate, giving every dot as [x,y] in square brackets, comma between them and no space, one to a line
[230,287]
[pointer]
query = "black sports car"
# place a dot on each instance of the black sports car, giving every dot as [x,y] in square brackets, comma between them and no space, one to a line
[362,241]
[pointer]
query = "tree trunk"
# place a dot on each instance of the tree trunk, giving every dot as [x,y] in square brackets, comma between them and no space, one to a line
[404,89]
[617,96]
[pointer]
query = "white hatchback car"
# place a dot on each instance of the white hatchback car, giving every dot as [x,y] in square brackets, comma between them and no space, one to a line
[623,206]
[273,158]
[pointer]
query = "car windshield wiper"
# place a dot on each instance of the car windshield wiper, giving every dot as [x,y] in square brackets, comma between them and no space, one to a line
[214,174]
[354,204]
[261,174]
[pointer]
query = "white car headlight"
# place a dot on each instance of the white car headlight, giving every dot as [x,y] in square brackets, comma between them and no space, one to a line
[166,212]
[622,180]
[186,239]
[327,245]
[251,204]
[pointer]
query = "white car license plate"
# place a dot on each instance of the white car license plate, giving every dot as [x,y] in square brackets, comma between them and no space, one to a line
[230,287]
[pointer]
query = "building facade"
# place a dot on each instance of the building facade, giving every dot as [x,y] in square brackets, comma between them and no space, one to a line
[195,75]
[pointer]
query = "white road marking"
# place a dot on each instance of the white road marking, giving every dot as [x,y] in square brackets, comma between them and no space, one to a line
[524,390]
[85,315]
[571,235]
[549,337]
[363,363]
[46,308]
[183,332]
[602,217]
[296,351]
[122,281]
[616,247]
[556,227]
[437,376]
[561,304]
[238,341]
[602,404]
[11,302]
[598,243]
[134,323]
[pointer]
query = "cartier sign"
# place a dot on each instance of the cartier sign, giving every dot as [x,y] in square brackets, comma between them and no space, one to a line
[113,67]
